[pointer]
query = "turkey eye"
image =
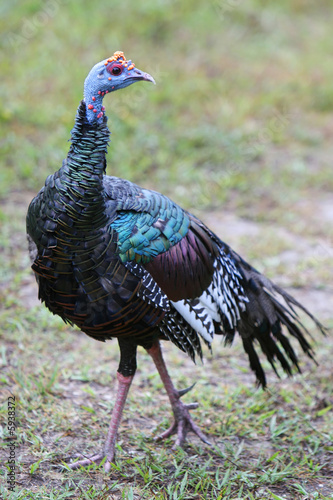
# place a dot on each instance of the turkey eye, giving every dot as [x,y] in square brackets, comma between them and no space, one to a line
[116,70]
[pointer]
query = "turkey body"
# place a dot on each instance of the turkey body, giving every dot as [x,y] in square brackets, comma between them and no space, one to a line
[120,261]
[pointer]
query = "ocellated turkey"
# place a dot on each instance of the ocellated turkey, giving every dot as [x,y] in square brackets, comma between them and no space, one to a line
[118,260]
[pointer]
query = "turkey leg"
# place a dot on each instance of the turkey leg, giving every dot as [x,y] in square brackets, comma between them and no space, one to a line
[183,422]
[124,384]
[125,375]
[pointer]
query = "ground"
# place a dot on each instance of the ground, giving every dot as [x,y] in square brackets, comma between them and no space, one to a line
[265,443]
[237,130]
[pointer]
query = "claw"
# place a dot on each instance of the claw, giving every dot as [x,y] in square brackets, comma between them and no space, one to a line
[192,406]
[95,459]
[185,391]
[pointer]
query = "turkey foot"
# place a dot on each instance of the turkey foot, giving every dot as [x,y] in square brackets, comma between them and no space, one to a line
[183,422]
[109,448]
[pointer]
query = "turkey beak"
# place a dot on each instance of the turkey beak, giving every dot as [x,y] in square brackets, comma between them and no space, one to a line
[148,78]
[137,74]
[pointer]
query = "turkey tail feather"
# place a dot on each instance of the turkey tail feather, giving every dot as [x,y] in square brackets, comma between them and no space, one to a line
[240,299]
[264,319]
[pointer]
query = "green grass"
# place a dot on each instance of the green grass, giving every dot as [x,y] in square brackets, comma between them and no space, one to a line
[277,441]
[238,130]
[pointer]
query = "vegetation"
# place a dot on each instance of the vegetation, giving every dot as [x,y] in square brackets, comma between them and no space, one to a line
[238,130]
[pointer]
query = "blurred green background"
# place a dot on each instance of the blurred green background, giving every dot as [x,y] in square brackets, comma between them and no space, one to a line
[241,108]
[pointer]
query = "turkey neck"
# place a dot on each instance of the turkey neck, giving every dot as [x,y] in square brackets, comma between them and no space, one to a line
[83,171]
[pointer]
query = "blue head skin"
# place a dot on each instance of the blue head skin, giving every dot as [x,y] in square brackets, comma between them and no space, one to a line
[109,75]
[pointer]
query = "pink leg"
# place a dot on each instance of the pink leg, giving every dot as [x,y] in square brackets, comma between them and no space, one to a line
[109,447]
[183,422]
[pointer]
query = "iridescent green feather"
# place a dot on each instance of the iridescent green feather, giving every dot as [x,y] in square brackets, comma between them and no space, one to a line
[142,235]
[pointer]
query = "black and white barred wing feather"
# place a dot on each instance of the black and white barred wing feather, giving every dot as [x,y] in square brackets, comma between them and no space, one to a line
[218,308]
